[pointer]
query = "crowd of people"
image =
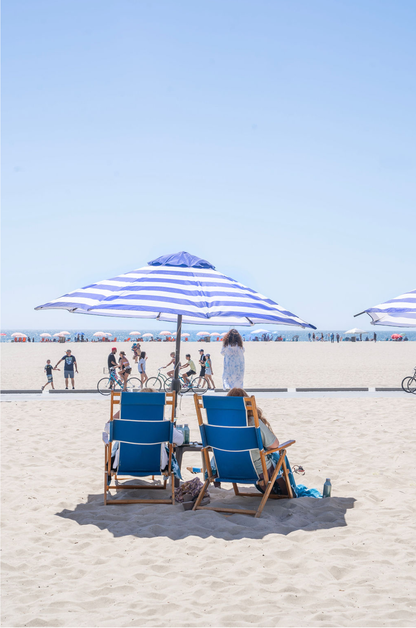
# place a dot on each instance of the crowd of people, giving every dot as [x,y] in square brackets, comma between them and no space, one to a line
[233,372]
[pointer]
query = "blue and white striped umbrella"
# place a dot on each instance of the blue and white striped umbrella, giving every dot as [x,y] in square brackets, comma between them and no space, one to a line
[177,285]
[398,312]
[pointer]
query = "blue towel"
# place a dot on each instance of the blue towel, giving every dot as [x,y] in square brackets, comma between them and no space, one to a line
[300,490]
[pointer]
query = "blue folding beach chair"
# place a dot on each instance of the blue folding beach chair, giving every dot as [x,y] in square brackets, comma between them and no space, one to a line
[140,431]
[229,436]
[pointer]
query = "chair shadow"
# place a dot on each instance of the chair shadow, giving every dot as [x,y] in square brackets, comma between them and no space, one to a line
[164,520]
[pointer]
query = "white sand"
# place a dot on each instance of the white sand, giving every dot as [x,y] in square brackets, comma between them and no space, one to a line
[274,364]
[346,561]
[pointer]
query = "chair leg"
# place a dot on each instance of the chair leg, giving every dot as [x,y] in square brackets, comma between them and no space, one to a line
[287,480]
[172,481]
[105,487]
[235,487]
[269,488]
[201,495]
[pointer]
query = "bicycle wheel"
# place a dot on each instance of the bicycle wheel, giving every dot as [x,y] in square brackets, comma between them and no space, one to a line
[167,384]
[105,386]
[406,382]
[199,385]
[133,384]
[154,382]
[411,386]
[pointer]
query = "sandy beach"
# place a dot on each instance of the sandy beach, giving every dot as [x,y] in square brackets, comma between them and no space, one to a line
[344,561]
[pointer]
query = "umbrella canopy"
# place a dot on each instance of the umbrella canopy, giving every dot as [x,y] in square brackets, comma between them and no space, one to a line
[165,333]
[147,335]
[108,333]
[135,333]
[356,331]
[398,312]
[45,335]
[3,334]
[260,331]
[60,334]
[203,333]
[215,333]
[99,334]
[396,336]
[18,334]
[178,288]
[65,333]
[177,285]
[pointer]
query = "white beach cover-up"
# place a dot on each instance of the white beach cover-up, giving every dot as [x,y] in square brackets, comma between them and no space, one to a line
[233,375]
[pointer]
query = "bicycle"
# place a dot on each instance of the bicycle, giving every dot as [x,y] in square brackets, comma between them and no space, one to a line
[409,383]
[162,381]
[107,384]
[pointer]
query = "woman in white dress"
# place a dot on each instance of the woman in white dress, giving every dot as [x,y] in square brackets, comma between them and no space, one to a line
[233,352]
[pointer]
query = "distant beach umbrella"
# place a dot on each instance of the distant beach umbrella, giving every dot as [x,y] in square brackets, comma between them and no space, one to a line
[214,333]
[398,312]
[65,333]
[3,334]
[107,333]
[18,334]
[46,335]
[356,331]
[60,334]
[260,331]
[147,335]
[165,333]
[396,336]
[135,333]
[203,333]
[99,334]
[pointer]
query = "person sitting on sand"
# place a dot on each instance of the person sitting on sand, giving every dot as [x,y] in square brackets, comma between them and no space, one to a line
[270,441]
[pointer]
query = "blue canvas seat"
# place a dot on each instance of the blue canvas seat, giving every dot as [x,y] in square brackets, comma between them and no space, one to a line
[138,426]
[228,434]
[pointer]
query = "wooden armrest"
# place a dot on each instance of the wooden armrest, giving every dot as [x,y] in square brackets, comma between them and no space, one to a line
[285,445]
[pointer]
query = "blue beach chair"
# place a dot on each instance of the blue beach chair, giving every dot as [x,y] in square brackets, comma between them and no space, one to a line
[140,431]
[231,439]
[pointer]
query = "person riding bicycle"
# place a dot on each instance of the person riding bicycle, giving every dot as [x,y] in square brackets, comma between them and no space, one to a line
[172,372]
[189,364]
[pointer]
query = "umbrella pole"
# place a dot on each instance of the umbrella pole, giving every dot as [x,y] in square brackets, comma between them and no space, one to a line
[176,384]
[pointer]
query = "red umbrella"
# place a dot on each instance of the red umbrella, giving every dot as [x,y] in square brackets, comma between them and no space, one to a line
[396,336]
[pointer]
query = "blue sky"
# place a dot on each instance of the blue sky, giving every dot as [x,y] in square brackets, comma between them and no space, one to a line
[275,139]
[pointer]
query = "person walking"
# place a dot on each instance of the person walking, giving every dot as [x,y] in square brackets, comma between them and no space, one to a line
[112,363]
[48,370]
[70,363]
[142,368]
[233,352]
[208,371]
[337,337]
[202,360]
[124,369]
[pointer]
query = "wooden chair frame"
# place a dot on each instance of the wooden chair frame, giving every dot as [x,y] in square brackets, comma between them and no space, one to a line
[250,403]
[116,402]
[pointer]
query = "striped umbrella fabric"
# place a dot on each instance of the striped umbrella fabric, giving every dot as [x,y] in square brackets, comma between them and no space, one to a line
[398,312]
[177,285]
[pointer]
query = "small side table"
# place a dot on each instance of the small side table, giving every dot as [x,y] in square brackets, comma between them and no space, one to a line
[183,449]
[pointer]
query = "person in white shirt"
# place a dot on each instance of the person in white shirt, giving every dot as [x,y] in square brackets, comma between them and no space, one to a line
[142,368]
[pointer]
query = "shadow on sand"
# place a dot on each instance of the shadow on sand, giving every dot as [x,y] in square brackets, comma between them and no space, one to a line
[163,520]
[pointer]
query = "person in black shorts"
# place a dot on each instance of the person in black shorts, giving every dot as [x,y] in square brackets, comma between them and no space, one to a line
[189,365]
[124,368]
[70,363]
[202,360]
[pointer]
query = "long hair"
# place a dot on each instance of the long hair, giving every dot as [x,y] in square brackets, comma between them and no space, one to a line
[240,392]
[232,338]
